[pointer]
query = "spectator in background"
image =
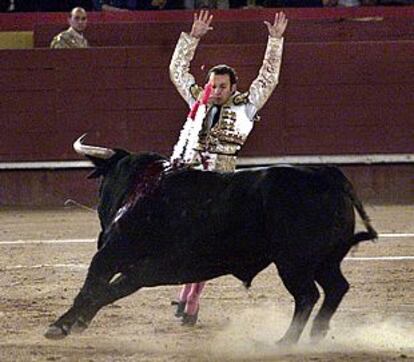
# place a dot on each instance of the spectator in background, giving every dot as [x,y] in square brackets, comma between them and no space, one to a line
[48,5]
[395,2]
[324,3]
[207,4]
[36,5]
[349,3]
[4,5]
[294,3]
[124,5]
[72,37]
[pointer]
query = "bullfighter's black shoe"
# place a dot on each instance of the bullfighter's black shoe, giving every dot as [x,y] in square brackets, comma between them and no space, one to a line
[180,308]
[189,320]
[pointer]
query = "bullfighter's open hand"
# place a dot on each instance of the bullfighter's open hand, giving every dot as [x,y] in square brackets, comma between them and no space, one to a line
[279,26]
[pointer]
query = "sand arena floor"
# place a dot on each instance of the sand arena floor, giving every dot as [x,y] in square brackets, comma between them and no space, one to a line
[38,282]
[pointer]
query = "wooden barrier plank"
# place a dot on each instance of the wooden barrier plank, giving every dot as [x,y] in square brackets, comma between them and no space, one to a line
[100,126]
[156,121]
[89,118]
[62,58]
[153,99]
[338,139]
[351,52]
[149,56]
[261,143]
[237,32]
[343,95]
[47,188]
[360,52]
[36,119]
[159,56]
[27,79]
[76,121]
[49,145]
[147,78]
[28,101]
[353,115]
[93,100]
[309,74]
[25,59]
[116,99]
[102,78]
[159,78]
[351,73]
[91,58]
[315,53]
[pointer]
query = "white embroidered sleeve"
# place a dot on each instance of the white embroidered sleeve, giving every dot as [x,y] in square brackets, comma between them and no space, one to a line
[265,83]
[180,65]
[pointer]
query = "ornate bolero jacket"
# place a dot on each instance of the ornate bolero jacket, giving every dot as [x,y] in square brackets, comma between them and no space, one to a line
[237,116]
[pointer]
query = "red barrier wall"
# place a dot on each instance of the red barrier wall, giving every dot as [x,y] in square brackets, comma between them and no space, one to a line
[333,98]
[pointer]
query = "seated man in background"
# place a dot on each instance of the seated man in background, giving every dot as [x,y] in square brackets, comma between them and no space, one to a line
[73,36]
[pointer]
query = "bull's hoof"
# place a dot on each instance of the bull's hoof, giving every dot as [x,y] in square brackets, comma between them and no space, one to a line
[55,332]
[286,342]
[318,334]
[189,320]
[179,312]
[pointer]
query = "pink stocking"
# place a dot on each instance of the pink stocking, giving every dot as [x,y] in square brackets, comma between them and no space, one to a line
[193,298]
[185,290]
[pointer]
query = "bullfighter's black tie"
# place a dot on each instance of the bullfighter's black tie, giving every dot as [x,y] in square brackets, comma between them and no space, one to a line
[216,115]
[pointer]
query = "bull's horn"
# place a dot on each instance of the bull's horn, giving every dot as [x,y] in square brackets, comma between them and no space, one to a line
[85,150]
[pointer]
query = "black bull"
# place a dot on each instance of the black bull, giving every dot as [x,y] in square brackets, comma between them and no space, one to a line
[178,226]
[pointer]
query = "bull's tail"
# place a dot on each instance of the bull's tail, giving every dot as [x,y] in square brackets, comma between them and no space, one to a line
[371,233]
[340,179]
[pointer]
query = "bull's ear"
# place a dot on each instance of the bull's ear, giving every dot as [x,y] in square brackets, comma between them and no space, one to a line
[102,166]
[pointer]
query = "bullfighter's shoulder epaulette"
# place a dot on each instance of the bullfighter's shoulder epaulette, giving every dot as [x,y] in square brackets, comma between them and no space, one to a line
[241,98]
[195,91]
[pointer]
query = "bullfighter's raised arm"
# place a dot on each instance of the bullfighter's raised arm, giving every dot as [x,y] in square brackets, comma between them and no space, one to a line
[180,65]
[265,83]
[184,53]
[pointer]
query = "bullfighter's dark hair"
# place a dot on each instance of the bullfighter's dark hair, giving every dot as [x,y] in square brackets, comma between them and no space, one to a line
[222,69]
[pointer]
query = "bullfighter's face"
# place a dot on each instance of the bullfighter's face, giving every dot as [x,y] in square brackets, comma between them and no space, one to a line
[222,88]
[78,20]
